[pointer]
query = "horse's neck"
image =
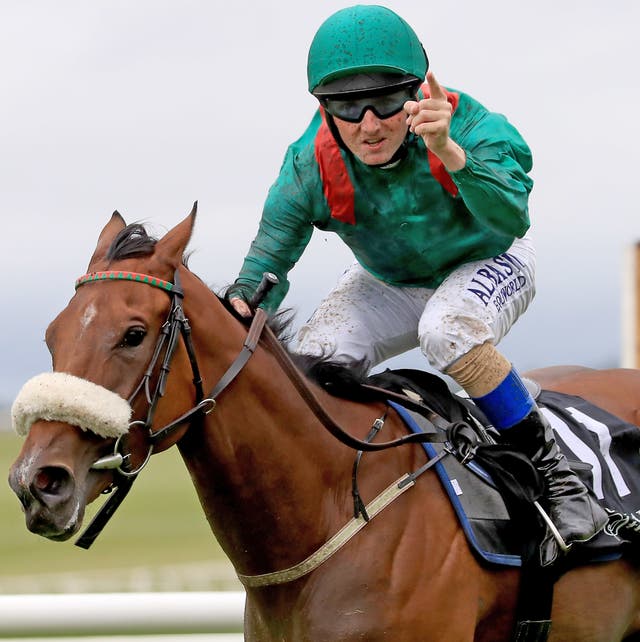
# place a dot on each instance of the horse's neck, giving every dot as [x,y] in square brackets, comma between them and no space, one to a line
[262,462]
[262,467]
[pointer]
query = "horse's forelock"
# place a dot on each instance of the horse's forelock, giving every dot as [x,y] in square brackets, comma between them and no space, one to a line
[133,240]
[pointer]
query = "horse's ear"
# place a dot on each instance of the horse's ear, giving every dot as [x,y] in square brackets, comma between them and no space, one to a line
[172,245]
[109,232]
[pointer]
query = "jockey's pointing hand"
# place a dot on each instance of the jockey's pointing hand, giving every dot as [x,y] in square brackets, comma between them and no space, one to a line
[430,118]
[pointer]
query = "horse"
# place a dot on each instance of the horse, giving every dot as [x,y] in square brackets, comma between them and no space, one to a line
[273,480]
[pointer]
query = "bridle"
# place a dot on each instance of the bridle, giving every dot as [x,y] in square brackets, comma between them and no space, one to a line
[173,328]
[176,326]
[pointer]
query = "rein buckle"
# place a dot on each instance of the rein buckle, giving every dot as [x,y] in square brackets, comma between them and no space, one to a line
[204,402]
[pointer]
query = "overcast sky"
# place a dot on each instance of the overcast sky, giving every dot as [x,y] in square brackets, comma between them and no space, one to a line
[146,106]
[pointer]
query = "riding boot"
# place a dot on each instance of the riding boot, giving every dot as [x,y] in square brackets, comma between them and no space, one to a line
[574,513]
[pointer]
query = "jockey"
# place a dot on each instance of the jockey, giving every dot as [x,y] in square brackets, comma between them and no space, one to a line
[429,190]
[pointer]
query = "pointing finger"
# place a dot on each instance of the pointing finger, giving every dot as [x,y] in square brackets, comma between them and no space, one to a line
[435,89]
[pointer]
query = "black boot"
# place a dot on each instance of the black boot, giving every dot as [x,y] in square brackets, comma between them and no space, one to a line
[573,511]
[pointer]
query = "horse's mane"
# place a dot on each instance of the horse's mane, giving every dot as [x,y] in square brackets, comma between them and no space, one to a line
[338,378]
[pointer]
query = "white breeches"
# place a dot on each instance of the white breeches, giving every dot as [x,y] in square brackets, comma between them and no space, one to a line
[364,318]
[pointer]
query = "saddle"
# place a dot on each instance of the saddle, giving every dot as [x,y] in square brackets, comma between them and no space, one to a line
[492,489]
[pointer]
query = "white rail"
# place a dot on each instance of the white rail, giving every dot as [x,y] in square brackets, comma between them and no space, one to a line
[121,614]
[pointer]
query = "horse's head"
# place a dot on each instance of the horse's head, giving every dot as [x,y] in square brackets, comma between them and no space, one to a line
[87,423]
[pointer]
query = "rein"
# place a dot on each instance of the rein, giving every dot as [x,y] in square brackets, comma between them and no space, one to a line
[178,325]
[301,384]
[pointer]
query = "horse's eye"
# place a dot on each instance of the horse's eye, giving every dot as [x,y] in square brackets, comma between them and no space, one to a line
[133,337]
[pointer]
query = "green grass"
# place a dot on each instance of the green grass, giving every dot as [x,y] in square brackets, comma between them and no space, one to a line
[159,525]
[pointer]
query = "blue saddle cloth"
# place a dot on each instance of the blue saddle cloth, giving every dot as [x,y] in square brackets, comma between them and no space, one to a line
[602,449]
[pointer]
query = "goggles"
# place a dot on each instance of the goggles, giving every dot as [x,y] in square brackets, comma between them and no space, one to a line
[382,105]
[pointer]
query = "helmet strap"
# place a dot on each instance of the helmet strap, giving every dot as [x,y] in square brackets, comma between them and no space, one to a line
[331,123]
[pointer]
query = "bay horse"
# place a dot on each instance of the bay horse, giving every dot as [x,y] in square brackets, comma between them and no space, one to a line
[274,483]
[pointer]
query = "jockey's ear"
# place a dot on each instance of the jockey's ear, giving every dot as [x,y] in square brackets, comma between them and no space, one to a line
[109,232]
[171,247]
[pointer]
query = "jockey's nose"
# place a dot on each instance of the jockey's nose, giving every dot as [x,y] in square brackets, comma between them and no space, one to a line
[369,122]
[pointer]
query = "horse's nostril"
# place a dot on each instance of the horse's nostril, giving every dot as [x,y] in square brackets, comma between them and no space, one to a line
[50,480]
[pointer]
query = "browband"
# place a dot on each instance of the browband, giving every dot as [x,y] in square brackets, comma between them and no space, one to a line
[118,275]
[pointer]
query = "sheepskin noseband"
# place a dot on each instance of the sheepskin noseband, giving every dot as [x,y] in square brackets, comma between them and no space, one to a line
[57,396]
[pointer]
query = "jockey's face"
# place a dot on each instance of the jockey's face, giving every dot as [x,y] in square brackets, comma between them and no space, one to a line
[373,140]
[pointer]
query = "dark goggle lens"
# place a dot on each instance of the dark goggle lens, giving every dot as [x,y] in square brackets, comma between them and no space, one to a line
[383,106]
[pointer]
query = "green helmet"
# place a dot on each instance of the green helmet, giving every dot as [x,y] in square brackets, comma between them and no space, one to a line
[371,45]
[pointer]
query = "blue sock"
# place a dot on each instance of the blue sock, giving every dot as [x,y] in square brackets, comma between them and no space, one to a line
[508,404]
